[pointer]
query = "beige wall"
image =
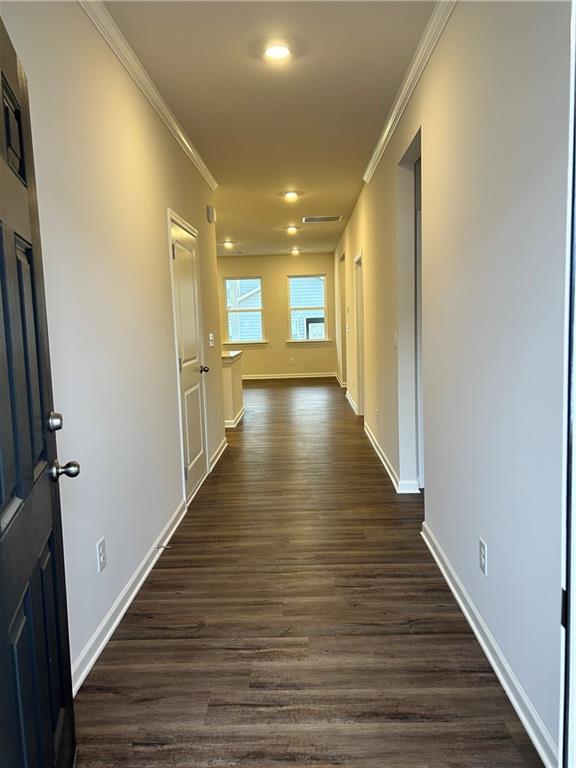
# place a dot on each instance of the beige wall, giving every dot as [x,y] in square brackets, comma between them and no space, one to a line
[108,169]
[279,357]
[492,107]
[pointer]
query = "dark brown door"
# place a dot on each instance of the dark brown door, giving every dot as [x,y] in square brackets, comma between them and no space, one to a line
[36,711]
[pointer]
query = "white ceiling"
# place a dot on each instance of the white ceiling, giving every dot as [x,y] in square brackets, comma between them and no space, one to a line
[310,124]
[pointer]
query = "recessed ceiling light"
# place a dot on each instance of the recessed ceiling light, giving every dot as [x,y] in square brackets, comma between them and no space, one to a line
[228,245]
[291,196]
[295,251]
[291,229]
[277,52]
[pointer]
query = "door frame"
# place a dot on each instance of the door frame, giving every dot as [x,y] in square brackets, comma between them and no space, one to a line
[174,218]
[418,283]
[359,329]
[568,703]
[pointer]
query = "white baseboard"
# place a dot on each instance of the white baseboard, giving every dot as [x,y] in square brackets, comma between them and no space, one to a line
[352,403]
[531,720]
[342,383]
[264,376]
[401,486]
[231,423]
[96,644]
[217,453]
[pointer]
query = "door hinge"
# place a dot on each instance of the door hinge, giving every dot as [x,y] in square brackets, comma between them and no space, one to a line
[173,251]
[185,473]
[180,364]
[564,609]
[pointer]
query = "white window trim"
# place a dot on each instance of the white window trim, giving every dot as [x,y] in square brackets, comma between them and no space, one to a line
[324,308]
[228,341]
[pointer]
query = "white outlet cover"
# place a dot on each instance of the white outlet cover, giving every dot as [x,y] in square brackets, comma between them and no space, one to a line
[483,556]
[101,557]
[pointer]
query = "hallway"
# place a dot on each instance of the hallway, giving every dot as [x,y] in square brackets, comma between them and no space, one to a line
[297,619]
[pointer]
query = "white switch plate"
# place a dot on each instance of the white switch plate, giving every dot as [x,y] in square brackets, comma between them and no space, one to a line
[211,340]
[102,559]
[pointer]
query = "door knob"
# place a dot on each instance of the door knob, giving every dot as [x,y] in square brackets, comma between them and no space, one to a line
[71,469]
[204,369]
[55,421]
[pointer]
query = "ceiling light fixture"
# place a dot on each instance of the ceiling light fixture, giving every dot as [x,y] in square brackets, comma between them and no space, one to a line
[277,52]
[291,196]
[228,244]
[291,230]
[295,252]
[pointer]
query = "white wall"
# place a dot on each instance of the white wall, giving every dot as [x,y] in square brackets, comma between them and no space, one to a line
[492,106]
[108,169]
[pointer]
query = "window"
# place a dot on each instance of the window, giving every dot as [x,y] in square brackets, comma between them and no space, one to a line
[307,296]
[244,309]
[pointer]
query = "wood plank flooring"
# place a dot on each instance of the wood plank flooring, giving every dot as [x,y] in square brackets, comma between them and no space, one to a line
[297,619]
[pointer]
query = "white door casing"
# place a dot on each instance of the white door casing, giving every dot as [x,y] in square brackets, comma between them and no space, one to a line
[359,324]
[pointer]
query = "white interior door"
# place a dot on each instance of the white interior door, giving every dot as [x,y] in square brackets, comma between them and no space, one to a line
[190,362]
[359,323]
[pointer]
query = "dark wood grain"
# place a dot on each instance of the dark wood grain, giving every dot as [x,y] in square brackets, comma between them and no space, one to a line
[298,619]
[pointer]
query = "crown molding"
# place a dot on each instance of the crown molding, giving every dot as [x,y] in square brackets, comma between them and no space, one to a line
[105,24]
[434,28]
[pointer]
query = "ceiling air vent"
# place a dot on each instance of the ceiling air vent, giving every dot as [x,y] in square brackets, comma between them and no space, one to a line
[320,219]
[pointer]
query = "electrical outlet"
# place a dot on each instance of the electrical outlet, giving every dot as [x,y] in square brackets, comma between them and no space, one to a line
[483,556]
[291,361]
[378,415]
[101,554]
[219,417]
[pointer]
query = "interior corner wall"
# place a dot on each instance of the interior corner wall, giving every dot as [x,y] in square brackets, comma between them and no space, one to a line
[107,170]
[279,357]
[493,109]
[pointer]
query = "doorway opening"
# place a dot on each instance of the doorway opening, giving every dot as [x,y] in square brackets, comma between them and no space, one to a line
[188,339]
[359,326]
[408,341]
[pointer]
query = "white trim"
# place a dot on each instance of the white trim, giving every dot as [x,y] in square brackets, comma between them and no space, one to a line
[96,644]
[401,486]
[264,376]
[105,24]
[352,402]
[567,736]
[519,699]
[309,341]
[342,383]
[217,453]
[432,32]
[359,331]
[231,423]
[244,343]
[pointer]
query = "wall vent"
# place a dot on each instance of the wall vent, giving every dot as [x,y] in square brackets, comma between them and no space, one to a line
[320,219]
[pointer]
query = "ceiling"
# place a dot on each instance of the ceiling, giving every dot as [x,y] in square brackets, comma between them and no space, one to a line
[308,124]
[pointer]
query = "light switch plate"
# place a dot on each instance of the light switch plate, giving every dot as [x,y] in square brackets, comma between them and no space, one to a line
[211,340]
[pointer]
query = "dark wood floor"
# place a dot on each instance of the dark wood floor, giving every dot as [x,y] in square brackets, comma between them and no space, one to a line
[298,619]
